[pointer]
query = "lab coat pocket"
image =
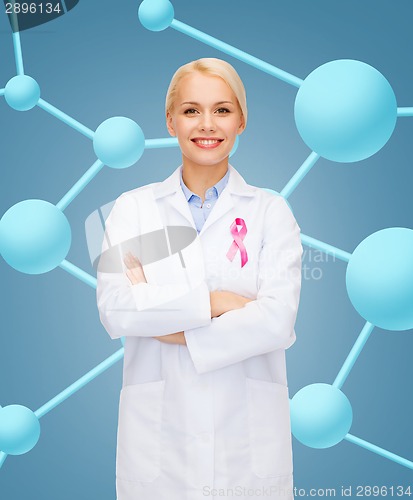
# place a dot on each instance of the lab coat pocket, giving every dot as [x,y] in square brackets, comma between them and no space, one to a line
[139,431]
[269,428]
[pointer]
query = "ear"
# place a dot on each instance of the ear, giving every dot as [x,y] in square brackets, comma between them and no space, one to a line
[241,126]
[169,124]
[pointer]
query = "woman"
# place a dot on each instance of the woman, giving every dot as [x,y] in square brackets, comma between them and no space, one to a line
[204,407]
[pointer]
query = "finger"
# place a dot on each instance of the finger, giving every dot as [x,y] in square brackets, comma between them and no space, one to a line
[136,261]
[131,276]
[132,261]
[127,260]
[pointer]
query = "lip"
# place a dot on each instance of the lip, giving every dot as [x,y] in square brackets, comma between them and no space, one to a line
[207,146]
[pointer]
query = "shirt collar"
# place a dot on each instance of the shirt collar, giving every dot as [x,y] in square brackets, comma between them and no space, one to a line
[219,186]
[236,184]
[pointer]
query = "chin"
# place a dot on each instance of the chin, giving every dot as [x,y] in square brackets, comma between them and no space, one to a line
[211,163]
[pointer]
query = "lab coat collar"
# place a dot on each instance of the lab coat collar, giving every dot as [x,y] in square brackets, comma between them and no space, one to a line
[236,186]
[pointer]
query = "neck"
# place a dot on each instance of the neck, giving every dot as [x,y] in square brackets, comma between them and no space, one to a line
[198,178]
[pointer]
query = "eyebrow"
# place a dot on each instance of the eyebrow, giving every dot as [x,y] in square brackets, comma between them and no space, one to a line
[197,103]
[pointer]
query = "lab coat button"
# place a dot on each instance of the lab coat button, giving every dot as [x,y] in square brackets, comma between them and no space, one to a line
[208,205]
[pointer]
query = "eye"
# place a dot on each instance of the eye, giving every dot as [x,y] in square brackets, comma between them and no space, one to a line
[190,111]
[223,110]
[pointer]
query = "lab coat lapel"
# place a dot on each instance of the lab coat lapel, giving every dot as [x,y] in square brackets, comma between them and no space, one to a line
[171,188]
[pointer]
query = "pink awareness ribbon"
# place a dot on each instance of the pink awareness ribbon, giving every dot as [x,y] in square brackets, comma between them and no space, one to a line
[238,243]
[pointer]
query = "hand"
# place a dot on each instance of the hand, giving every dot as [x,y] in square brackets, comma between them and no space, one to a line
[173,338]
[223,301]
[135,270]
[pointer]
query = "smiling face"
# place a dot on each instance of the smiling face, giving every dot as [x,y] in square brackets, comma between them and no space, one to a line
[206,119]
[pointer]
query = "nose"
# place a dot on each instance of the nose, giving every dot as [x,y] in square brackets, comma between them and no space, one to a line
[207,123]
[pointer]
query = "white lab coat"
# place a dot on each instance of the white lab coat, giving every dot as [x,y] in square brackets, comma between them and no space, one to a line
[212,417]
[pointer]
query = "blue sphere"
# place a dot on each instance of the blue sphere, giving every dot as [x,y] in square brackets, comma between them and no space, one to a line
[22,92]
[156,15]
[345,110]
[321,415]
[119,142]
[19,429]
[35,236]
[379,278]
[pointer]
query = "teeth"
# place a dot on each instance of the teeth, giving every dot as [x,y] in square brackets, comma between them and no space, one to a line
[209,141]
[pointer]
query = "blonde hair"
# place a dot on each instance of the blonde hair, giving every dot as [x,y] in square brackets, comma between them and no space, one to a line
[214,67]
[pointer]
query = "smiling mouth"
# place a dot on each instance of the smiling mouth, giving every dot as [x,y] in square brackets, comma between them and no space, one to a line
[207,143]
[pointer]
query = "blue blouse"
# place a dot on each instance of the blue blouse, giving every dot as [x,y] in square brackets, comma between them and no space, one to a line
[200,212]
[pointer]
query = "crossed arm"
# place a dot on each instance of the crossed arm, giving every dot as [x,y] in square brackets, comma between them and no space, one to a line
[221,301]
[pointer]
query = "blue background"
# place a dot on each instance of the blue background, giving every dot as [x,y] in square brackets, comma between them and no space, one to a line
[97,61]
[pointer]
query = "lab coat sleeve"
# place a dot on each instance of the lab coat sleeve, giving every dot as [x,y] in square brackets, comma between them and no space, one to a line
[264,324]
[144,309]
